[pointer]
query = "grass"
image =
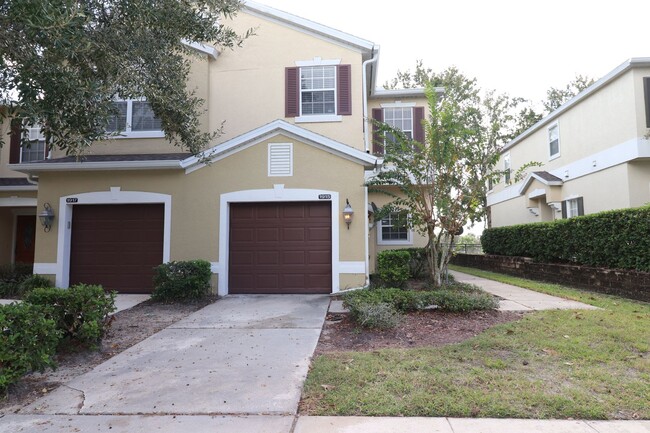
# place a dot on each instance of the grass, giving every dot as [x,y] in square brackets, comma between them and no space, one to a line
[589,364]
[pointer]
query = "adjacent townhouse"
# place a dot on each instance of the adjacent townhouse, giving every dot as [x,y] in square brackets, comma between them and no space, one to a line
[594,151]
[277,205]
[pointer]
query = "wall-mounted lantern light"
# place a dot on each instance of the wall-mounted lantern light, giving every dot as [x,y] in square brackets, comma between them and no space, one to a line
[46,216]
[347,213]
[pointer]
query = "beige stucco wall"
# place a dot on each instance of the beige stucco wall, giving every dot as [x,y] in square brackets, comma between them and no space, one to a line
[603,190]
[248,84]
[639,182]
[196,197]
[639,73]
[605,119]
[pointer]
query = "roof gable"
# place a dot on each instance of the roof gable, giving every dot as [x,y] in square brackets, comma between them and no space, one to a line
[543,176]
[273,129]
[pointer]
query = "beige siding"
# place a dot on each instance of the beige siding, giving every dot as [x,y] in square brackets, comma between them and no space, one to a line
[196,197]
[639,101]
[248,84]
[639,183]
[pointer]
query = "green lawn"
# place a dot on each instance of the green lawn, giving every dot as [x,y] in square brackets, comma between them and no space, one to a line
[552,364]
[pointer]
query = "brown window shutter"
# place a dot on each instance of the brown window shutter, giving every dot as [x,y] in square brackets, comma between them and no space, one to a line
[344,90]
[581,206]
[377,139]
[292,92]
[564,211]
[646,93]
[14,143]
[418,129]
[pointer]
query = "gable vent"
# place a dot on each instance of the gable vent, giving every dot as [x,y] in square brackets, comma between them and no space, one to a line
[280,159]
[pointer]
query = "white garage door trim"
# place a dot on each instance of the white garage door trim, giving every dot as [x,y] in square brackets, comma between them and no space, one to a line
[114,196]
[277,194]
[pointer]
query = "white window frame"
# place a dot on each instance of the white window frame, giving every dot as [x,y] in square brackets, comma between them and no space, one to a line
[34,136]
[400,107]
[507,167]
[555,126]
[319,118]
[572,209]
[381,241]
[128,133]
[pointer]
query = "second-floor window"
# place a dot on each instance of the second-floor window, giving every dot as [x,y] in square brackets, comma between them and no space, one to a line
[554,141]
[406,118]
[134,117]
[506,167]
[399,118]
[317,90]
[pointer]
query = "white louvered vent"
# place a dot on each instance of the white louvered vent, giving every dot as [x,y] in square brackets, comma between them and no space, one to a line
[280,159]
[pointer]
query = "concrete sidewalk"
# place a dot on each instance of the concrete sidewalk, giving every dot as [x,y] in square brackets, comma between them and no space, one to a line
[519,299]
[303,424]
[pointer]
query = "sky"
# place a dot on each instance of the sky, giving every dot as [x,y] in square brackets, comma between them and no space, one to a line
[517,47]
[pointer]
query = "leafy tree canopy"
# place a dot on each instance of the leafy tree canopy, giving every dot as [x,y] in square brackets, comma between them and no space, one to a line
[65,61]
[556,96]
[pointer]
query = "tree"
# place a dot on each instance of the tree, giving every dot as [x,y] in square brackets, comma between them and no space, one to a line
[65,61]
[442,182]
[555,97]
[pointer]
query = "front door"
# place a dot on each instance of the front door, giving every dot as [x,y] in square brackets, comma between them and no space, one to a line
[25,237]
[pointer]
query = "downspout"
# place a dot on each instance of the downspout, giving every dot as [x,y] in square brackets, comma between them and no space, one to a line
[366,132]
[32,179]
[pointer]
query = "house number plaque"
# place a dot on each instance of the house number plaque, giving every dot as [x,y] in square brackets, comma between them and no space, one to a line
[72,200]
[325,196]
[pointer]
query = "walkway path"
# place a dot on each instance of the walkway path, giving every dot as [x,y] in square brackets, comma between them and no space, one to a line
[519,299]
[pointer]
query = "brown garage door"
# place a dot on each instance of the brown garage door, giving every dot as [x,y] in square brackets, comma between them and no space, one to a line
[280,248]
[116,246]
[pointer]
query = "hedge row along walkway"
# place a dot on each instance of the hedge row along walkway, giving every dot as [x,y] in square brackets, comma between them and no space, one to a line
[515,298]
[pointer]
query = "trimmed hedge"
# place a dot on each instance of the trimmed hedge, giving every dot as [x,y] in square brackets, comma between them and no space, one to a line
[11,276]
[617,239]
[393,267]
[184,280]
[28,341]
[80,312]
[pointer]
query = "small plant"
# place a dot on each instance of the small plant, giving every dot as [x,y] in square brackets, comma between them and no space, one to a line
[179,281]
[382,316]
[28,341]
[393,267]
[10,278]
[33,282]
[80,312]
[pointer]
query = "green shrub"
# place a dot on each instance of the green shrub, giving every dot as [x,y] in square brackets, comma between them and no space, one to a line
[418,263]
[393,267]
[188,280]
[462,301]
[617,239]
[80,312]
[28,341]
[382,316]
[33,282]
[10,278]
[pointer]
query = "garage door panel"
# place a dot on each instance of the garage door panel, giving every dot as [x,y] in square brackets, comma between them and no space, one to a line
[116,246]
[302,247]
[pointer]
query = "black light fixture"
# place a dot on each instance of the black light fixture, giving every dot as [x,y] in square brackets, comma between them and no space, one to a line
[347,213]
[46,216]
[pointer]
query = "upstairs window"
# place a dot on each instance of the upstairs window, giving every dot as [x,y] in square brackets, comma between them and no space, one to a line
[134,118]
[318,91]
[506,167]
[31,148]
[554,141]
[393,229]
[405,117]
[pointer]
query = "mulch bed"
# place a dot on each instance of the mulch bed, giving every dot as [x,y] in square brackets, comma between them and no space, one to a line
[420,329]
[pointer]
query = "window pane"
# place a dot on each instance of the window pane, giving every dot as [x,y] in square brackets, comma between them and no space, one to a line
[117,122]
[144,118]
[394,227]
[34,151]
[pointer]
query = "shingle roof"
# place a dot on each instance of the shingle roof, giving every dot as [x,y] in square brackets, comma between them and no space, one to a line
[119,158]
[547,176]
[14,181]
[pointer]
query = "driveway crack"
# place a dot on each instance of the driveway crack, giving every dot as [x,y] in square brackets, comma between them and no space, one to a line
[81,404]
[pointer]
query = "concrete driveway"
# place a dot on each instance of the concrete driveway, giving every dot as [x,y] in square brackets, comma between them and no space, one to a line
[243,355]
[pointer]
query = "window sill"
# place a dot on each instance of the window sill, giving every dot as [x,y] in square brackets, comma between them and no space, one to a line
[395,242]
[319,118]
[552,157]
[139,134]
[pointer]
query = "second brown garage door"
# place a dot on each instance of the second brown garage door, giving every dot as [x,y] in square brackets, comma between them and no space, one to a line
[280,248]
[116,246]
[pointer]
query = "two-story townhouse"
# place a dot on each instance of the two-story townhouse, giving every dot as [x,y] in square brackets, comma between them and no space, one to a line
[277,205]
[594,152]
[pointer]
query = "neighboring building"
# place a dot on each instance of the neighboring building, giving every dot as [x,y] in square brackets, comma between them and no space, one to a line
[267,211]
[594,152]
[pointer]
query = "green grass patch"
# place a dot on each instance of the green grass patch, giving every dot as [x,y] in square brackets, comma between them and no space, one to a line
[588,364]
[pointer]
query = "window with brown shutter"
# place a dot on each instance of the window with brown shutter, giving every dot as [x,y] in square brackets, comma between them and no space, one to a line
[318,90]
[14,143]
[418,129]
